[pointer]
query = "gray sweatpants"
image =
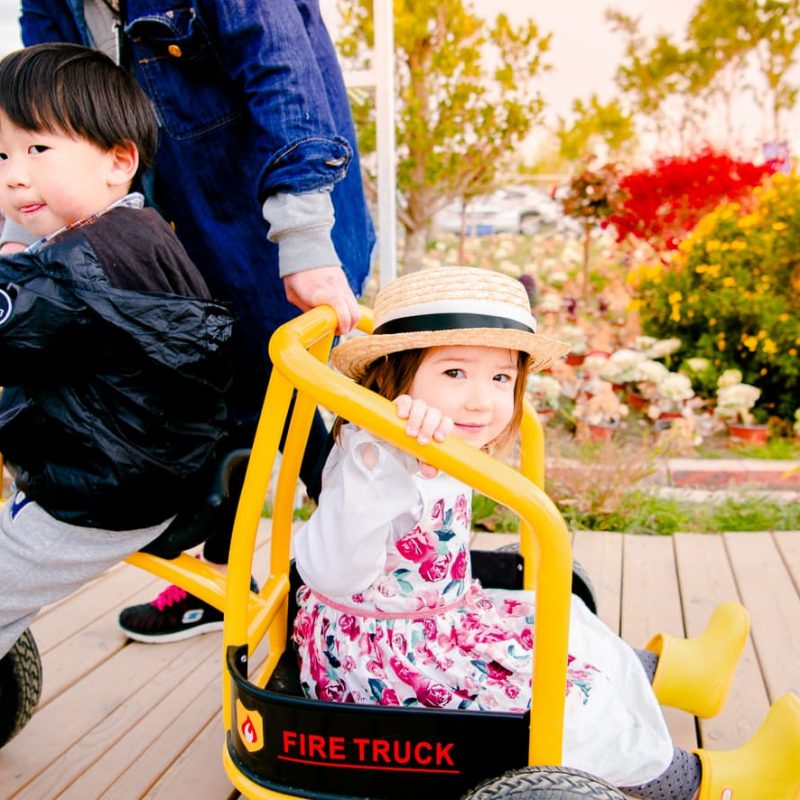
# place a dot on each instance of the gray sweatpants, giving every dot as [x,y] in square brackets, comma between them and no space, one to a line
[43,560]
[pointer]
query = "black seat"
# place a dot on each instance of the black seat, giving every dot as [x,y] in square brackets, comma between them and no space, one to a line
[195,525]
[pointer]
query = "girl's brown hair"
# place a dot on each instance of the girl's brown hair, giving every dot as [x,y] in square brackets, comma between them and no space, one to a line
[392,375]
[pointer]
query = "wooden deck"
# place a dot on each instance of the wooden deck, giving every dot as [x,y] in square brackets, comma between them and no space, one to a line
[126,720]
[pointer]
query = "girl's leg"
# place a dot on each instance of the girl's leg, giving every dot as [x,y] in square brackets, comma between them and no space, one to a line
[43,560]
[696,674]
[679,781]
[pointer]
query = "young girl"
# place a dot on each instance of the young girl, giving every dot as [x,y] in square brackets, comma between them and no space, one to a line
[390,615]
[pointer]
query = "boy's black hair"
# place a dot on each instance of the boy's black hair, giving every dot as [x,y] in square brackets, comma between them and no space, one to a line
[78,91]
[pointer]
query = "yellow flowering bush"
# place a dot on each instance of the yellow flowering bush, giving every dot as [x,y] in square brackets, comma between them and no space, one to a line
[732,293]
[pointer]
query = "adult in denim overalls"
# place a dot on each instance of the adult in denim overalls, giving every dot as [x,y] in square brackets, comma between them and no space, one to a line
[254,123]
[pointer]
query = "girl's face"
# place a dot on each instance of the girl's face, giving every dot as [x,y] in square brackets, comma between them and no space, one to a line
[472,385]
[49,180]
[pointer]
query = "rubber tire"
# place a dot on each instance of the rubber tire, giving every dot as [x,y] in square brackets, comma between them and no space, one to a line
[582,585]
[544,783]
[20,686]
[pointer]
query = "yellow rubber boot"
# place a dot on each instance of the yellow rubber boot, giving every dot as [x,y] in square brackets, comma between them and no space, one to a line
[695,674]
[765,768]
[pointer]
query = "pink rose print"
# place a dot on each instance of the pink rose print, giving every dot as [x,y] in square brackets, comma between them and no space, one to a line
[462,509]
[349,626]
[526,638]
[358,598]
[349,664]
[459,568]
[433,695]
[399,642]
[402,671]
[429,627]
[375,668]
[437,512]
[332,691]
[512,692]
[302,627]
[435,568]
[389,698]
[415,545]
[497,672]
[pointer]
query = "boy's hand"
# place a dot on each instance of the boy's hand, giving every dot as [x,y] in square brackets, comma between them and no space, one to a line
[425,423]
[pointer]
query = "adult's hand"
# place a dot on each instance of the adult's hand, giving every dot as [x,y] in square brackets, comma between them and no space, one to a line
[324,286]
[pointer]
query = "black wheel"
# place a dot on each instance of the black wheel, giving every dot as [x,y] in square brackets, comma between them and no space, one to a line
[544,783]
[582,585]
[20,686]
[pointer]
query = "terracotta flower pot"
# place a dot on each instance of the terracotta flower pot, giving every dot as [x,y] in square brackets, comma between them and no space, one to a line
[575,359]
[545,414]
[670,415]
[636,401]
[601,431]
[751,434]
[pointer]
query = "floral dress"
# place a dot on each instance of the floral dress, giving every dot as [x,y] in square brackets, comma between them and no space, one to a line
[390,615]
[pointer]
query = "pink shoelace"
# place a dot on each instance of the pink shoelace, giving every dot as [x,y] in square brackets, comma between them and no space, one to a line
[171,595]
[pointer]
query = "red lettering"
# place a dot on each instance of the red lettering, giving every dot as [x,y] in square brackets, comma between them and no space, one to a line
[380,750]
[406,756]
[336,748]
[302,744]
[443,753]
[361,745]
[316,746]
[418,753]
[289,740]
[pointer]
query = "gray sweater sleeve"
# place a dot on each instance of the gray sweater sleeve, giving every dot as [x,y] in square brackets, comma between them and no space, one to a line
[14,232]
[301,225]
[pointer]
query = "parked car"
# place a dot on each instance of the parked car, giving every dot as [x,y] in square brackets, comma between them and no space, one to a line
[513,209]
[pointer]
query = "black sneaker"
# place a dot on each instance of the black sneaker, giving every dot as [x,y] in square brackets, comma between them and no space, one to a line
[174,615]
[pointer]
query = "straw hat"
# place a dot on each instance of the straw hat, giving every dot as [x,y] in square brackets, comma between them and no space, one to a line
[449,306]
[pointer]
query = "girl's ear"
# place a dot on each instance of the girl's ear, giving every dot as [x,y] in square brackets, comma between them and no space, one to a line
[123,164]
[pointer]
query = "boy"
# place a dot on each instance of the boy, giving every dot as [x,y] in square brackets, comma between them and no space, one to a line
[111,350]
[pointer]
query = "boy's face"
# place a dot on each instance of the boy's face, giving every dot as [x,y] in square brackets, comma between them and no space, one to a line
[49,180]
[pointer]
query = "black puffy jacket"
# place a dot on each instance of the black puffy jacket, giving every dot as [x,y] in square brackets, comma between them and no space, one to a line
[112,359]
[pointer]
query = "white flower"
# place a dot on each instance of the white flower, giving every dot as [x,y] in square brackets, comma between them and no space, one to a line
[730,377]
[736,401]
[550,303]
[621,366]
[558,277]
[545,389]
[651,371]
[697,365]
[663,347]
[675,387]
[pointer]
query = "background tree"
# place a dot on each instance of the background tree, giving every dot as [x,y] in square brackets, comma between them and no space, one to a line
[597,130]
[591,197]
[466,98]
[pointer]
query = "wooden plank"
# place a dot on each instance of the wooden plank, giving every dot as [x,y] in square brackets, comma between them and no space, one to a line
[198,773]
[116,726]
[788,543]
[600,554]
[88,604]
[84,709]
[651,604]
[147,751]
[706,580]
[771,597]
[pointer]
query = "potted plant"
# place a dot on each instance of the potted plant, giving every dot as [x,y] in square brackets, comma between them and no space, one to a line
[642,390]
[602,413]
[670,396]
[735,402]
[545,393]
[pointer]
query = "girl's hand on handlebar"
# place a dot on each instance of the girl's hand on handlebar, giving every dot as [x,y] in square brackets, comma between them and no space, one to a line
[425,423]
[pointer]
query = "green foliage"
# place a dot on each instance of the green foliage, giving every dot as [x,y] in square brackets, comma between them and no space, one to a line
[733,293]
[596,123]
[466,97]
[645,513]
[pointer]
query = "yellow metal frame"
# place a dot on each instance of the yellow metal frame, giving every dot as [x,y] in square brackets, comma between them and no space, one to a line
[299,352]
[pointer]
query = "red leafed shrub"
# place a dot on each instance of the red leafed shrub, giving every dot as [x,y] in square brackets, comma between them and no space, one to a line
[662,204]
